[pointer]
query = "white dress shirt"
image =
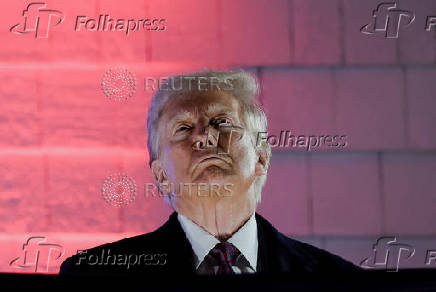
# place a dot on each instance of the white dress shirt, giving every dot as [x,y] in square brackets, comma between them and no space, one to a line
[245,239]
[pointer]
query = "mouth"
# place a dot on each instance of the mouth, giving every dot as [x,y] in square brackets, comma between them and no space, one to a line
[210,160]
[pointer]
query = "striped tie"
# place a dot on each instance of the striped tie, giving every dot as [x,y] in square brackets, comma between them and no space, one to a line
[226,254]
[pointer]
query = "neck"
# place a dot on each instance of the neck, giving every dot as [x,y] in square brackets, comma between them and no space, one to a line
[220,218]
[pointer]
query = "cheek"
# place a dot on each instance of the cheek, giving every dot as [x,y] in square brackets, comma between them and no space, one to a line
[175,162]
[167,162]
[245,156]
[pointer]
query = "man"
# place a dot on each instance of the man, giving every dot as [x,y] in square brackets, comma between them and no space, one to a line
[210,169]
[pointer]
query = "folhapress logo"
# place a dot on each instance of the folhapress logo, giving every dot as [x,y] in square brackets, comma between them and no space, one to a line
[38,20]
[38,254]
[388,19]
[388,254]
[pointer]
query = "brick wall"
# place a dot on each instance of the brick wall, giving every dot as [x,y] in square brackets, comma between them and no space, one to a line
[61,137]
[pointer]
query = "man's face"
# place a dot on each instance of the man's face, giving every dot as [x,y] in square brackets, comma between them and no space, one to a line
[206,152]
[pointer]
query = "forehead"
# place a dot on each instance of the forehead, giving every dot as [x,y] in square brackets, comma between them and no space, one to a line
[208,102]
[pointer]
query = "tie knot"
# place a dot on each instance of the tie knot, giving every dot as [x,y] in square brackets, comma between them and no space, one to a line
[225,252]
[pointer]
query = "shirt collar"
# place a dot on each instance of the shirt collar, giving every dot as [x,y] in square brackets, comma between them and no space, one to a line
[245,239]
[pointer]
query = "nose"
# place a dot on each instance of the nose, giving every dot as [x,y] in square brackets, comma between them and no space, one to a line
[206,138]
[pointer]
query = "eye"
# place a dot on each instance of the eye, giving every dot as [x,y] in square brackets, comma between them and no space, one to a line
[182,128]
[222,121]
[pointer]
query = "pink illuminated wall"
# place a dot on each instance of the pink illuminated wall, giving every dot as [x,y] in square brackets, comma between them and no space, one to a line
[61,136]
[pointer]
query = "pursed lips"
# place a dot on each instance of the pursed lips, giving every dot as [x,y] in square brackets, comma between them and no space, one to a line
[206,158]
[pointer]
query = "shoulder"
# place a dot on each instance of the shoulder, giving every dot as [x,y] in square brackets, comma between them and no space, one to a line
[295,255]
[317,259]
[127,255]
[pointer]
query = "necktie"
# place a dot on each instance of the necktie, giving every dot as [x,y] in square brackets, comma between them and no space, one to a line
[226,254]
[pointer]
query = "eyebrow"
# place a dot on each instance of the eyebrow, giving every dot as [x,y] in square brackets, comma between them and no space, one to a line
[217,108]
[182,116]
[211,110]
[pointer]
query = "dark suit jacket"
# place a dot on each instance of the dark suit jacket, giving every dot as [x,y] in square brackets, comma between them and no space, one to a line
[168,251]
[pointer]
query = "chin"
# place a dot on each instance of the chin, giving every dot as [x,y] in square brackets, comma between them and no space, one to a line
[213,174]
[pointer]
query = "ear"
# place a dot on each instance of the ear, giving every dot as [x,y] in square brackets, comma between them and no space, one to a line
[262,163]
[159,174]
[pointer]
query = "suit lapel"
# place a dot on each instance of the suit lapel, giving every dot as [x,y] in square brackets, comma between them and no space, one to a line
[180,254]
[272,257]
[263,247]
